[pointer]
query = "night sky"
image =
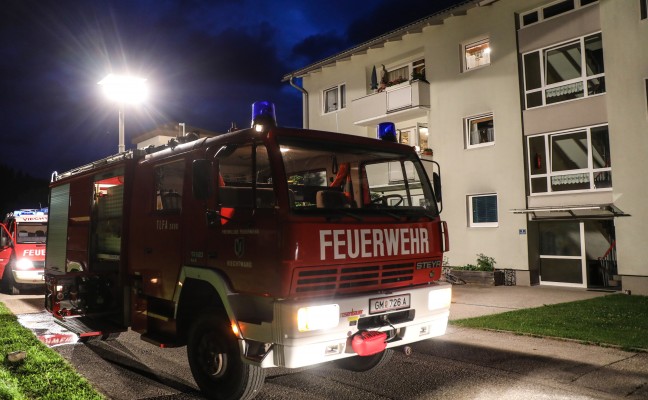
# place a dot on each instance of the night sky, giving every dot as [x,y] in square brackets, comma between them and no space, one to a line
[205,62]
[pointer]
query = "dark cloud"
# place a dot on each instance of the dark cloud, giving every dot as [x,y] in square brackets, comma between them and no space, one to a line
[206,61]
[319,46]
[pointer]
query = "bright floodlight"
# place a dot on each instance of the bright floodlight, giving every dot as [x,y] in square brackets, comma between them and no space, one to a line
[124,89]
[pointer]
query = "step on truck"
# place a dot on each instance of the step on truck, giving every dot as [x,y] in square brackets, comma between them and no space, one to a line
[264,247]
[22,250]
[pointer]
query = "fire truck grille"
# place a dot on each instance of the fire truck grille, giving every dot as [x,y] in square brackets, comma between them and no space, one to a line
[347,279]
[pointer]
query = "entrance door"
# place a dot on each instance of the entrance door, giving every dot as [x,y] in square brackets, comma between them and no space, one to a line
[600,253]
[570,253]
[562,254]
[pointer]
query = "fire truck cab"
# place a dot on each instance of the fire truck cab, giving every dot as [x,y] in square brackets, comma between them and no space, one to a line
[22,249]
[264,247]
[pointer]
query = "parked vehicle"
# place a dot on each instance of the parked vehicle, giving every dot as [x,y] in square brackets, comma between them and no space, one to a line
[264,247]
[22,249]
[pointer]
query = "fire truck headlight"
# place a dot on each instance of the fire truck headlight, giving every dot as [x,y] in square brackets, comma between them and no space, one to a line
[438,299]
[24,264]
[318,317]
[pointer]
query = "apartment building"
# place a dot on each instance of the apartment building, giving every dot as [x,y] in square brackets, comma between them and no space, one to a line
[537,112]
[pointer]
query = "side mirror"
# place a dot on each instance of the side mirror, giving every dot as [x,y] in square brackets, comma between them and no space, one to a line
[5,237]
[436,183]
[201,185]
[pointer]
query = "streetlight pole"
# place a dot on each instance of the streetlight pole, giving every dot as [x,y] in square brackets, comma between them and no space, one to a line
[123,89]
[122,146]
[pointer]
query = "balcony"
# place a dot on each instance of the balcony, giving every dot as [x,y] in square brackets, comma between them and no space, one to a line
[397,103]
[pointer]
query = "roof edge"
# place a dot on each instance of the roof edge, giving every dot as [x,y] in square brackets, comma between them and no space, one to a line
[431,19]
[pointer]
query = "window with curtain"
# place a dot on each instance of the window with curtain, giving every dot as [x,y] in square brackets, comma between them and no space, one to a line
[569,161]
[568,71]
[479,130]
[334,98]
[476,54]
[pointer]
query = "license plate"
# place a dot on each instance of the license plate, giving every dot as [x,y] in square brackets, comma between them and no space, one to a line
[383,304]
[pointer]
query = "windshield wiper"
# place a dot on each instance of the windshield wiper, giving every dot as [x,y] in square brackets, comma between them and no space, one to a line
[388,213]
[345,212]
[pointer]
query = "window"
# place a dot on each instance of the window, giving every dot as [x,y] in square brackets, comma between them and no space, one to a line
[479,130]
[108,207]
[557,8]
[241,186]
[644,8]
[404,136]
[168,186]
[565,72]
[364,179]
[553,10]
[482,210]
[568,161]
[335,98]
[476,54]
[423,137]
[403,73]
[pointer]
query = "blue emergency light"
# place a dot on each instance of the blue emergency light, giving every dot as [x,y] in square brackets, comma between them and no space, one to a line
[263,115]
[387,131]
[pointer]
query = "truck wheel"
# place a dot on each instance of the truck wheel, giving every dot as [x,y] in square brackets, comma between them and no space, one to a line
[216,364]
[8,283]
[366,363]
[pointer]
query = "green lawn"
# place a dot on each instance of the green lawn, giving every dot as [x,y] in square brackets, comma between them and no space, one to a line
[43,374]
[617,319]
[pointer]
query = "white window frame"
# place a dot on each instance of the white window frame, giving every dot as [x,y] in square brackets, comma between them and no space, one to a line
[472,44]
[471,222]
[549,174]
[341,98]
[582,79]
[467,132]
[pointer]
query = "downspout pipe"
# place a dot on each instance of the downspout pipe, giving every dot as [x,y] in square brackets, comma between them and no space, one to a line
[304,101]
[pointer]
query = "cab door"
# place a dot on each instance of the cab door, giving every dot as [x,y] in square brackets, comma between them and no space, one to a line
[243,241]
[6,248]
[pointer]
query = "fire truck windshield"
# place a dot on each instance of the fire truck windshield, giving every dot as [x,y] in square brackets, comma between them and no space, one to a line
[31,233]
[361,179]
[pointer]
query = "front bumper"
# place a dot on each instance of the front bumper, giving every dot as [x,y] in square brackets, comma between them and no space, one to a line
[427,317]
[29,277]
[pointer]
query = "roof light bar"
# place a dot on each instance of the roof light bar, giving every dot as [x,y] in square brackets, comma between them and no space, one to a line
[387,131]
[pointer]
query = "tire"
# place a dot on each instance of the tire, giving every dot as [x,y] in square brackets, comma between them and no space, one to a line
[216,364]
[8,283]
[366,363]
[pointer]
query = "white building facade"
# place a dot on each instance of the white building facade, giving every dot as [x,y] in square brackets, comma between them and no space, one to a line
[537,112]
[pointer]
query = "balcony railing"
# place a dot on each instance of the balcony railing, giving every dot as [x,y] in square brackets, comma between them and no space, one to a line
[408,100]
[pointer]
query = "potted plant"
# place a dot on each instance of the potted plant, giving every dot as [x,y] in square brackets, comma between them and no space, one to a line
[418,76]
[483,273]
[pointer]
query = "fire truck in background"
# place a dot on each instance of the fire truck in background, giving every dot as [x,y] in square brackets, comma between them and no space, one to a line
[22,249]
[264,247]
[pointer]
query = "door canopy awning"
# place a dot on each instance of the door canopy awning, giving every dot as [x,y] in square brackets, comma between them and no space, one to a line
[572,212]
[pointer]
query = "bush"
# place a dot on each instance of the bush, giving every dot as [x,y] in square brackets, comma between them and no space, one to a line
[484,263]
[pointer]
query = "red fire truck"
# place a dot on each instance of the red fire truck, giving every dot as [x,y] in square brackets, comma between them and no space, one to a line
[258,248]
[22,249]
